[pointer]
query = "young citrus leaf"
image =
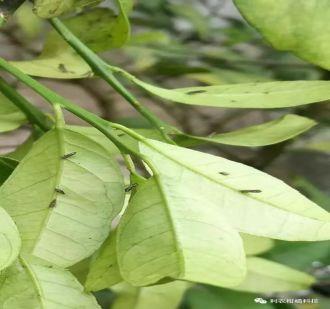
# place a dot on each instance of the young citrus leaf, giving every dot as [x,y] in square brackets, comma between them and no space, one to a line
[268,277]
[267,133]
[306,24]
[104,270]
[53,8]
[169,231]
[248,95]
[63,196]
[10,242]
[254,245]
[197,201]
[7,166]
[10,116]
[59,60]
[164,296]
[250,200]
[29,285]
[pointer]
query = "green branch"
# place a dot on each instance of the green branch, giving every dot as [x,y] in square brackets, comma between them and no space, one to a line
[101,69]
[33,114]
[53,98]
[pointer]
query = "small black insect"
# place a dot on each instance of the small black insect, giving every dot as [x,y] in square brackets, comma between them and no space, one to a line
[52,204]
[250,191]
[62,68]
[195,92]
[68,155]
[59,191]
[130,187]
[224,173]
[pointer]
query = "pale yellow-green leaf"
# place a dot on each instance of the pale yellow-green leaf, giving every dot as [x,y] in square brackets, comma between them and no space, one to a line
[268,277]
[30,24]
[164,296]
[10,116]
[267,133]
[63,208]
[166,232]
[198,202]
[10,242]
[27,285]
[275,210]
[299,26]
[248,95]
[52,8]
[104,270]
[254,245]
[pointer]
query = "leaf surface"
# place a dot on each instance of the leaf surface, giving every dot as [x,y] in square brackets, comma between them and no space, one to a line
[306,24]
[166,232]
[10,242]
[198,203]
[104,271]
[248,95]
[10,116]
[254,245]
[268,277]
[268,133]
[164,296]
[53,8]
[59,60]
[29,285]
[63,206]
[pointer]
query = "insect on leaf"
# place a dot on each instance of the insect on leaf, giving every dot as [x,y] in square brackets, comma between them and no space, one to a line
[248,95]
[197,213]
[64,228]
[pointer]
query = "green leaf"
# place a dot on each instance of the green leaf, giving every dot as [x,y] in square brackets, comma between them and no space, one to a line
[254,245]
[10,242]
[104,270]
[59,60]
[11,117]
[306,24]
[62,218]
[198,203]
[268,277]
[29,285]
[164,296]
[53,8]
[248,95]
[267,133]
[7,166]
[177,242]
[202,297]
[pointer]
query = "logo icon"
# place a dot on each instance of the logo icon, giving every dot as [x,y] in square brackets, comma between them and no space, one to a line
[260,300]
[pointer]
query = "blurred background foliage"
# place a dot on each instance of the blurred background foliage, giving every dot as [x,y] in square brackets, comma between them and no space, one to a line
[177,43]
